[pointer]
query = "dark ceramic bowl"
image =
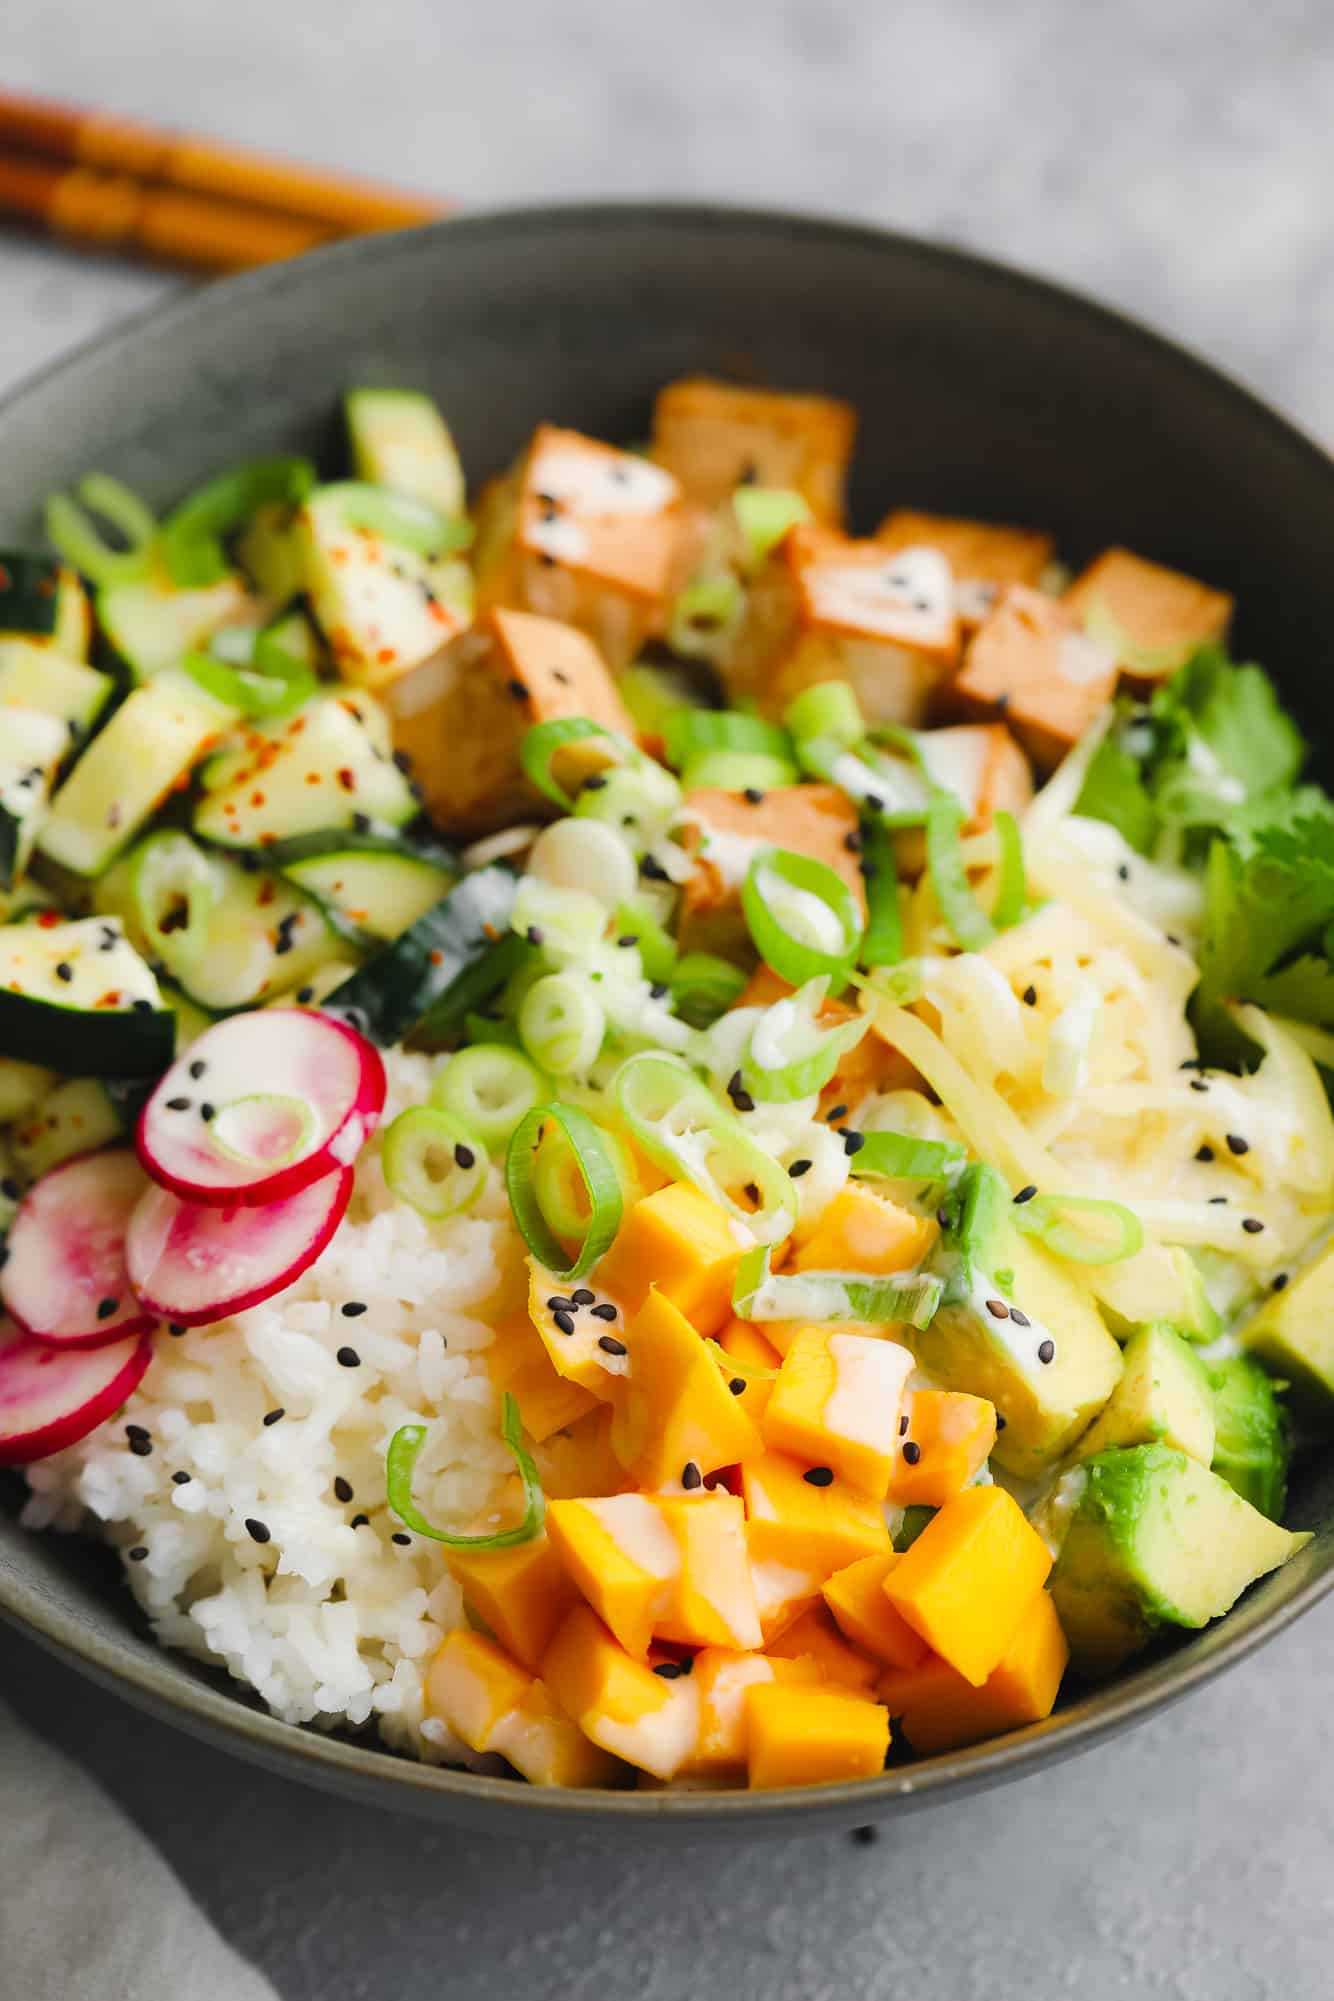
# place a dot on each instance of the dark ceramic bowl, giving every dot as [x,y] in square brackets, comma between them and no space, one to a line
[980,391]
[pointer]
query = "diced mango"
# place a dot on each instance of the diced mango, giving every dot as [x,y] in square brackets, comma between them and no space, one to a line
[518,1361]
[837,1402]
[813,1527]
[684,1244]
[473,1687]
[940,1710]
[815,1637]
[782,1591]
[953,1434]
[856,1597]
[549,1749]
[722,1676]
[579,1463]
[676,1410]
[803,1736]
[713,1603]
[622,1555]
[520,1595]
[619,1702]
[1163,614]
[747,1344]
[967,1582]
[577,1356]
[862,1231]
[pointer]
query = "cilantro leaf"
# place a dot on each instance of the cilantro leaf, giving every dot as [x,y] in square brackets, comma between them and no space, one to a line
[1114,790]
[1230,741]
[1264,909]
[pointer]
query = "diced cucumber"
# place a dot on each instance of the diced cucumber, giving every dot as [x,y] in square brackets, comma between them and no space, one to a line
[76,1117]
[79,999]
[151,743]
[11,1186]
[318,770]
[44,599]
[22,1085]
[295,634]
[31,747]
[269,551]
[400,440]
[369,890]
[152,626]
[383,608]
[34,675]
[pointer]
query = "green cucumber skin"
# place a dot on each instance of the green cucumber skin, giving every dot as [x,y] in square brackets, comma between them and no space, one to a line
[29,593]
[85,1042]
[428,978]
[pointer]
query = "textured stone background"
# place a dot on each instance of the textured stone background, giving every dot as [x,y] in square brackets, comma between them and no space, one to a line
[1175,158]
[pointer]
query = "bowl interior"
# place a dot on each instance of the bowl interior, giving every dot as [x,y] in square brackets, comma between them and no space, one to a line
[979,391]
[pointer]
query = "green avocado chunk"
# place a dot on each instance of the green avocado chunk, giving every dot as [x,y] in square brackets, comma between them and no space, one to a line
[1293,1334]
[1164,1396]
[1152,1538]
[1251,1448]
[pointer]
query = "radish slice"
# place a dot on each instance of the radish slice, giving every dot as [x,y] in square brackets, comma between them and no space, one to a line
[53,1397]
[65,1279]
[194,1262]
[261,1105]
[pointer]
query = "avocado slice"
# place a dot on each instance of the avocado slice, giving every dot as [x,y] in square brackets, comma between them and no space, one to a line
[1161,1282]
[1045,1359]
[1164,1395]
[1293,1333]
[1152,1538]
[1251,1449]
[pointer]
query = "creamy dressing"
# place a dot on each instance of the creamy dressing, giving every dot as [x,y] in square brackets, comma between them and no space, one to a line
[1081,660]
[910,598]
[899,786]
[1169,898]
[559,536]
[601,483]
[659,1740]
[639,1532]
[870,1380]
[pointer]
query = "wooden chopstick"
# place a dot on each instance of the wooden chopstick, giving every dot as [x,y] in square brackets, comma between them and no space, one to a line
[182,199]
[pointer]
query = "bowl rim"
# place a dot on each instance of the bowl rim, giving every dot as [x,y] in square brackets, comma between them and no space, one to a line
[155,1680]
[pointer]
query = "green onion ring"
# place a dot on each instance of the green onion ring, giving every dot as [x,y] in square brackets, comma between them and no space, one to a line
[905,1157]
[404,1447]
[192,534]
[882,944]
[653,1089]
[1041,1218]
[789,956]
[602,1184]
[968,923]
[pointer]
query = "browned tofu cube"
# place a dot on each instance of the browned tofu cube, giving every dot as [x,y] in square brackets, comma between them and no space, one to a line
[1162,614]
[581,532]
[461,716]
[713,437]
[724,830]
[827,609]
[1031,663]
[983,766]
[985,556]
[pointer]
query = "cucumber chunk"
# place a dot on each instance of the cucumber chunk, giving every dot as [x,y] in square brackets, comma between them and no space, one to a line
[322,768]
[370,892]
[31,747]
[153,627]
[38,676]
[400,440]
[383,608]
[79,999]
[44,599]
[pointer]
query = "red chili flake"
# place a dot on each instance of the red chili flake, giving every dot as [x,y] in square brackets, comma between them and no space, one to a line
[48,918]
[295,727]
[312,778]
[257,798]
[387,655]
[437,611]
[346,777]
[267,891]
[267,840]
[490,931]
[436,958]
[338,555]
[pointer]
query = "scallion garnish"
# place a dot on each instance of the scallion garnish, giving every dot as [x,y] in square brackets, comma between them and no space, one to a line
[760,1294]
[905,1157]
[434,1161]
[192,536]
[404,1447]
[790,1054]
[730,1366]
[704,987]
[764,515]
[802,916]
[686,732]
[1011,889]
[487,1088]
[882,943]
[398,518]
[540,745]
[561,1024]
[675,1118]
[75,535]
[597,1171]
[1043,1217]
[968,923]
[261,690]
[829,709]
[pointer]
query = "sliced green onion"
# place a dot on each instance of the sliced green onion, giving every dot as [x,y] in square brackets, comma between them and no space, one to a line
[493,1031]
[602,1186]
[760,1294]
[255,694]
[234,1122]
[399,518]
[704,987]
[689,731]
[75,536]
[567,923]
[585,857]
[174,890]
[801,914]
[736,771]
[657,948]
[883,943]
[487,1089]
[790,1056]
[407,1443]
[764,514]
[676,1120]
[537,753]
[192,534]
[828,709]
[639,800]
[559,1186]
[561,1024]
[1043,1216]
[434,1161]
[968,923]
[652,693]
[705,612]
[1012,889]
[907,1158]
[730,1366]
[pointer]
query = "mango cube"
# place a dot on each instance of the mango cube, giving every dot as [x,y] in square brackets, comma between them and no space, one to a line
[578,1356]
[520,1595]
[967,1582]
[745,1343]
[619,1702]
[518,1361]
[856,1598]
[578,1463]
[940,1710]
[722,1676]
[815,1638]
[864,1232]
[549,1749]
[803,1736]
[676,1411]
[473,1687]
[837,1403]
[813,1527]
[622,1556]
[713,1603]
[680,1241]
[952,1434]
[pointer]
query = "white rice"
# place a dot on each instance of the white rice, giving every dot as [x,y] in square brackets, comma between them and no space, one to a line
[330,1625]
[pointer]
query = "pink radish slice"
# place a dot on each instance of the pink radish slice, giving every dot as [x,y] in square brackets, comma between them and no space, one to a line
[261,1105]
[194,1262]
[65,1279]
[53,1397]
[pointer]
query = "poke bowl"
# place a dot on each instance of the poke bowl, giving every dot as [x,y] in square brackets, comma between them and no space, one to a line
[664,1020]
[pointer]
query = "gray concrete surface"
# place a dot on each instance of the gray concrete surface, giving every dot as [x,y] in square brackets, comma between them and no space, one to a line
[1175,158]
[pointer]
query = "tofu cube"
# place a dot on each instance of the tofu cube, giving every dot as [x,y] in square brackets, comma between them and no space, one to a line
[985,769]
[985,556]
[827,609]
[1162,614]
[581,532]
[715,436]
[1030,662]
[725,830]
[461,716]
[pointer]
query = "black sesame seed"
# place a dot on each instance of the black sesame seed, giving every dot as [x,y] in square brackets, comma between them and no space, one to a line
[137,1431]
[1046,1351]
[594,783]
[604,1312]
[282,944]
[1252,1225]
[1019,1319]
[558,1303]
[519,690]
[401,1539]
[464,1155]
[305,995]
[177,1327]
[610,1345]
[998,1309]
[564,1321]
[853,1142]
[1027,1192]
[874,803]
[535,934]
[9,1188]
[903,1425]
[1205,1153]
[360,1521]
[630,938]
[403,761]
[853,842]
[800,1167]
[198,1067]
[691,1477]
[652,869]
[865,1837]
[106,1307]
[819,1476]
[143,1007]
[1001,1422]
[137,1554]
[1278,1282]
[352,1309]
[1198,1084]
[1030,996]
[582,1296]
[659,990]
[181,1479]
[1123,871]
[179,1104]
[1236,1144]
[1217,1201]
[343,1488]
[737,1386]
[64,970]
[208,1112]
[912,1452]
[258,1531]
[669,1670]
[272,1416]
[361,823]
[141,1447]
[838,1112]
[348,1358]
